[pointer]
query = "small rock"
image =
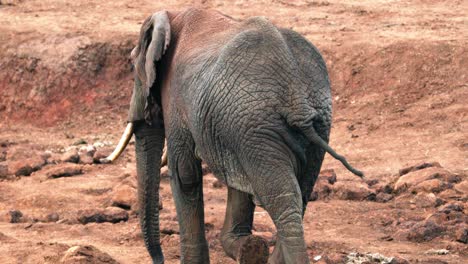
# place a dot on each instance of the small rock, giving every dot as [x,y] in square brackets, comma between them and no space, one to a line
[383,197]
[398,260]
[85,159]
[419,167]
[462,187]
[416,177]
[372,182]
[101,153]
[425,200]
[86,254]
[425,231]
[454,206]
[16,216]
[3,170]
[26,167]
[87,150]
[385,188]
[169,227]
[110,214]
[313,196]
[429,186]
[353,190]
[335,258]
[124,197]
[79,142]
[461,235]
[71,156]
[46,155]
[328,175]
[86,154]
[63,170]
[3,154]
[52,217]
[437,252]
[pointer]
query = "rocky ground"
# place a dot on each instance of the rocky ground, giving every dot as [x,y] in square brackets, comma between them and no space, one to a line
[398,70]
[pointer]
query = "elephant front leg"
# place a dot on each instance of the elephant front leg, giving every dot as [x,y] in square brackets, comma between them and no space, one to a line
[236,236]
[187,190]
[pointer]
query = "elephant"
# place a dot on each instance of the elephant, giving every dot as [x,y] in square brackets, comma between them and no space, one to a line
[250,99]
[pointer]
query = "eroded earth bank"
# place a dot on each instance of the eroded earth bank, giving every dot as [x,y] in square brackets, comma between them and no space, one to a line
[399,80]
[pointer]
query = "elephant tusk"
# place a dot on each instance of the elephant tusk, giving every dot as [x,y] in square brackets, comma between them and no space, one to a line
[126,136]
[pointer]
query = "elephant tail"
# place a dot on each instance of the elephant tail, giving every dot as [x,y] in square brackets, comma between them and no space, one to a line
[314,138]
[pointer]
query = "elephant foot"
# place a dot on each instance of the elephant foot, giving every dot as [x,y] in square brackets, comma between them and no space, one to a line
[254,250]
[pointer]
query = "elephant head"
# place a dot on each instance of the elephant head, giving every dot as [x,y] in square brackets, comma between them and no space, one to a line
[146,122]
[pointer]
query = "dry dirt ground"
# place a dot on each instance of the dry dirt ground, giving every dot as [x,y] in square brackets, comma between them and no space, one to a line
[399,77]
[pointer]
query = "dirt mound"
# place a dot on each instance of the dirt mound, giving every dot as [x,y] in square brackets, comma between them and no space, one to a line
[400,102]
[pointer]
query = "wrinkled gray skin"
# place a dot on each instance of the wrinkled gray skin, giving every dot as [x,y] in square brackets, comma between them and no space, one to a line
[251,100]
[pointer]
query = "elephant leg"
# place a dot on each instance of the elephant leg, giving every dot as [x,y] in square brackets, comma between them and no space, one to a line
[187,190]
[307,181]
[236,235]
[278,191]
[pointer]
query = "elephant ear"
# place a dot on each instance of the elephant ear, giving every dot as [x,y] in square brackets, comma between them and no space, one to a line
[155,35]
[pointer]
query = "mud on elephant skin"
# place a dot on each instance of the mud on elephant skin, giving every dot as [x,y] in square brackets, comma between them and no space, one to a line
[251,100]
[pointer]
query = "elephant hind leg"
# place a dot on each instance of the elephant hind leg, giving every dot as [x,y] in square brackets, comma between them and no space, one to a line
[278,191]
[236,236]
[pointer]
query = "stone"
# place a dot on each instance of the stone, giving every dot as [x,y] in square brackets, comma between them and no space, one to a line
[461,235]
[86,154]
[16,216]
[399,260]
[168,227]
[353,190]
[462,187]
[329,175]
[383,188]
[124,197]
[86,254]
[79,142]
[52,217]
[71,156]
[383,197]
[335,258]
[101,153]
[87,150]
[419,167]
[63,170]
[416,177]
[110,214]
[322,190]
[426,200]
[453,206]
[429,186]
[3,170]
[26,166]
[85,159]
[3,153]
[425,231]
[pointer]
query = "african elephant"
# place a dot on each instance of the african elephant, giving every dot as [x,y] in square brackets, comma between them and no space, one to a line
[251,100]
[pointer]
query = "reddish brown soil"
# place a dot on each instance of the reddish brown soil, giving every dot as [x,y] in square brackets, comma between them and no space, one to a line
[399,78]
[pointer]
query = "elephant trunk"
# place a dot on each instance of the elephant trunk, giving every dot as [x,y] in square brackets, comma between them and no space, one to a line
[149,144]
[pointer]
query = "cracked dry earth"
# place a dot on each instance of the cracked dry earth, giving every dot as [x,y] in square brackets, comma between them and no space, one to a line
[398,73]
